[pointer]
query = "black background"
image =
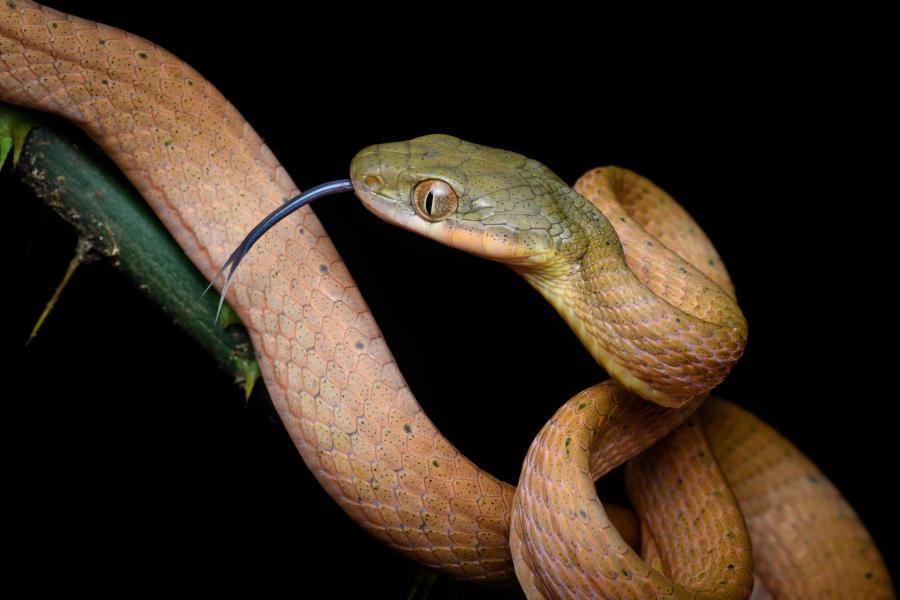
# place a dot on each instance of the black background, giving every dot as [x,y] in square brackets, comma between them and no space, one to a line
[132,453]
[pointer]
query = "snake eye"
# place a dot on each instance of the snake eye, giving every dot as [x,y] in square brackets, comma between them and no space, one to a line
[434,200]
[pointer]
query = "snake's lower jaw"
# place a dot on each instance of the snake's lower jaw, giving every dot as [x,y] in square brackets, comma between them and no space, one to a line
[378,205]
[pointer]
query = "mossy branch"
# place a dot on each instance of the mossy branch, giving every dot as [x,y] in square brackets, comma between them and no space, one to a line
[83,186]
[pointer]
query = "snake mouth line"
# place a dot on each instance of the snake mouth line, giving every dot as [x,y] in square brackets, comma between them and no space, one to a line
[375,208]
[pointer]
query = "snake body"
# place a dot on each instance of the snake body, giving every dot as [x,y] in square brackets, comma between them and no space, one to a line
[657,311]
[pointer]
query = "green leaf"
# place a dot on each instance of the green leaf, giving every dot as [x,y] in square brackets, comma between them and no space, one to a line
[15,124]
[6,143]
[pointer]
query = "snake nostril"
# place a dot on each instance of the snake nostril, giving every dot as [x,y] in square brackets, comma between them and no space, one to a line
[372,181]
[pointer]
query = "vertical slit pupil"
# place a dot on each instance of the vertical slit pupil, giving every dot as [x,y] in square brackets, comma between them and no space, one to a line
[429,202]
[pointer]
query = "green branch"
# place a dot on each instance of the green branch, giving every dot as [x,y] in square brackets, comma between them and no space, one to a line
[74,178]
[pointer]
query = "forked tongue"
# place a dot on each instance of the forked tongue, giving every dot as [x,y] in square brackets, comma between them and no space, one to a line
[326,189]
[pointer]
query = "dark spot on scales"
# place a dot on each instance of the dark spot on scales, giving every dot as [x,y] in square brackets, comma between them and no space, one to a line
[323,268]
[582,405]
[10,4]
[434,462]
[142,55]
[54,25]
[583,514]
[870,575]
[407,428]
[101,41]
[104,81]
[359,345]
[730,567]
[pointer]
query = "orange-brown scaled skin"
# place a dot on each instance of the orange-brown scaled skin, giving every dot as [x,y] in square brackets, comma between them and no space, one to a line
[668,339]
[612,256]
[330,374]
[339,392]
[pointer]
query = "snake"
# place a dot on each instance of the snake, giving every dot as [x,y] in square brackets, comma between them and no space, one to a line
[725,506]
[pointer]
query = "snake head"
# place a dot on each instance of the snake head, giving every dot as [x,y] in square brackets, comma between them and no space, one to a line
[491,203]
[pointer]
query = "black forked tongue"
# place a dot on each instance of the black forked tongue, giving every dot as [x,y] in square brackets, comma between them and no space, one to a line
[326,189]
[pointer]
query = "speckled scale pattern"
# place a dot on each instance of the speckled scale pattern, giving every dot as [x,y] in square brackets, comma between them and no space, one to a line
[643,212]
[340,394]
[807,540]
[331,376]
[692,515]
[694,487]
[700,330]
[564,544]
[696,544]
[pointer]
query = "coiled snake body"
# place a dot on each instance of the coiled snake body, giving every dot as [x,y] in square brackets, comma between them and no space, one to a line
[648,299]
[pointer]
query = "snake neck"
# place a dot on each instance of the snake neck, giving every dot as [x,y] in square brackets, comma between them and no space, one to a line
[659,327]
[569,282]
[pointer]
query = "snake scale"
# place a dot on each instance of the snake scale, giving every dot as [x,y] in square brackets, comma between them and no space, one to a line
[649,303]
